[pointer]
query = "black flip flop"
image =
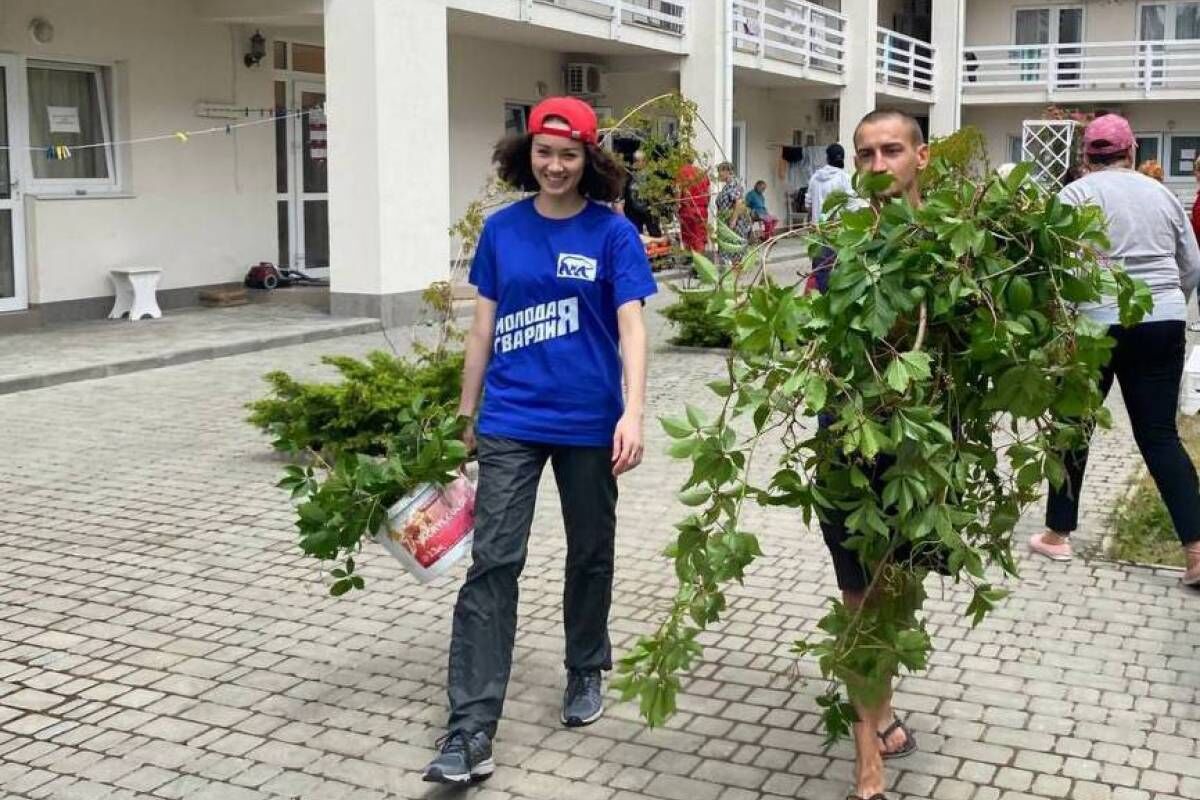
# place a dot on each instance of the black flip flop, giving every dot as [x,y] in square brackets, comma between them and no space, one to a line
[907,749]
[880,796]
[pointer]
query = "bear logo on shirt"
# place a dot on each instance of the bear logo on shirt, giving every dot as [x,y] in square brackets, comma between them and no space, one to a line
[576,267]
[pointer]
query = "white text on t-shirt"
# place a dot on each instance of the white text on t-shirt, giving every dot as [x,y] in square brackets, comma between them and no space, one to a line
[536,323]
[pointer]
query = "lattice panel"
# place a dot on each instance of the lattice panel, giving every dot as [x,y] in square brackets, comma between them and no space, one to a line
[1048,144]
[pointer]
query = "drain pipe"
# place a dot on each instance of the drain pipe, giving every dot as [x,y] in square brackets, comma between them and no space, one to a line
[727,100]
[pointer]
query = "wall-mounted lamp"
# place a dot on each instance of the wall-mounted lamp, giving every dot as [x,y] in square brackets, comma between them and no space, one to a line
[41,30]
[258,49]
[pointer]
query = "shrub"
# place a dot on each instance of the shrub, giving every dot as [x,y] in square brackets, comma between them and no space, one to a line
[697,324]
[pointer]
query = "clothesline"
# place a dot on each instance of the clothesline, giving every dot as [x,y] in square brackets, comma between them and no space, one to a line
[182,135]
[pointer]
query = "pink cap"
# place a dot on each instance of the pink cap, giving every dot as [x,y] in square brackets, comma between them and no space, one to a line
[1107,134]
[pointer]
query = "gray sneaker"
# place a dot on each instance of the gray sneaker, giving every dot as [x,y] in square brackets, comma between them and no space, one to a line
[583,701]
[462,758]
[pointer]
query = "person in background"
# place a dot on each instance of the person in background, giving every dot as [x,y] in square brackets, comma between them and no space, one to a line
[694,188]
[1151,169]
[756,201]
[1195,326]
[633,205]
[1152,236]
[731,201]
[825,181]
[828,179]
[732,209]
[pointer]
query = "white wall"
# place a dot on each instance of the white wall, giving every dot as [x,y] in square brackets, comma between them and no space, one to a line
[999,122]
[992,21]
[200,211]
[771,115]
[484,74]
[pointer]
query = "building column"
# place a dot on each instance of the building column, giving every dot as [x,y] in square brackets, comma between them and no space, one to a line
[858,95]
[706,75]
[389,143]
[945,115]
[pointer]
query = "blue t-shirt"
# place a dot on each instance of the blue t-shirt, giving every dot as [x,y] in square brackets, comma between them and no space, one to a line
[756,202]
[555,370]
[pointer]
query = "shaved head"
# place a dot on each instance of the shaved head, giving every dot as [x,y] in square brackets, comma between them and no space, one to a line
[881,114]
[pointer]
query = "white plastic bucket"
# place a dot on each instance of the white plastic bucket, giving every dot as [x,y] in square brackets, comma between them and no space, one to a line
[431,528]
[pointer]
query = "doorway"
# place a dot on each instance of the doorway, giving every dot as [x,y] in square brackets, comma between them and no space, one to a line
[1053,37]
[13,279]
[302,158]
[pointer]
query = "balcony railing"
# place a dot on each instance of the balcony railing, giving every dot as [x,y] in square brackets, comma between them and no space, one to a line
[1144,65]
[903,62]
[662,15]
[791,30]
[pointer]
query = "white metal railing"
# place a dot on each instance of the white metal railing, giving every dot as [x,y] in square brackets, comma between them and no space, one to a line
[904,62]
[1144,65]
[663,15]
[791,30]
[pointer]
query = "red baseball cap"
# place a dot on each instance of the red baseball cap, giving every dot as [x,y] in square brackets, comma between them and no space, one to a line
[1106,135]
[580,118]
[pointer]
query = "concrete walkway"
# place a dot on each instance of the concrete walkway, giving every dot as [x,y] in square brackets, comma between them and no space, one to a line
[162,637]
[100,348]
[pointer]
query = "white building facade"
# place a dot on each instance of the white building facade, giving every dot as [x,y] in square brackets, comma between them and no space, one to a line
[389,110]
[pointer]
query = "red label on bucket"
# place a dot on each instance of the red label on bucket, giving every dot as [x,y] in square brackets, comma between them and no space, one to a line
[436,522]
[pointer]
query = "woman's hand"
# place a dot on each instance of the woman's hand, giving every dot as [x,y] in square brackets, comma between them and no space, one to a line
[627,443]
[468,432]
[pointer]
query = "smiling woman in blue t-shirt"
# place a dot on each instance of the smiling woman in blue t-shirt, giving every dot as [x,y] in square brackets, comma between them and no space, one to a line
[558,321]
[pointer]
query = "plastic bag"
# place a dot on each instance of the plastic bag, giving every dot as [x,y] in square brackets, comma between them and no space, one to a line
[431,528]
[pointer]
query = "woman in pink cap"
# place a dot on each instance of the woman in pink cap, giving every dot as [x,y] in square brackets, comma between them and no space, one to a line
[558,323]
[1151,235]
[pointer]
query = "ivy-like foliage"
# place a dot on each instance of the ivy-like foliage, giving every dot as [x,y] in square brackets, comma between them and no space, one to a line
[948,357]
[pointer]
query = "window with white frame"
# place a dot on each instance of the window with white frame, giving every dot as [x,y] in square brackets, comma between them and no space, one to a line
[516,117]
[1177,19]
[1182,151]
[1149,147]
[68,107]
[1014,149]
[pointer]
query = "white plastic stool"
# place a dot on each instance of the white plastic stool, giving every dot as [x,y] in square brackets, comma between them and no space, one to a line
[135,293]
[1189,392]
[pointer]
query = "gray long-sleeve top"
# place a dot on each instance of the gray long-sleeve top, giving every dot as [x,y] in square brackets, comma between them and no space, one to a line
[1150,233]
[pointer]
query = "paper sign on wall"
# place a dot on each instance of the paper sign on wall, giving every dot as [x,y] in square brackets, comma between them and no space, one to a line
[63,119]
[318,136]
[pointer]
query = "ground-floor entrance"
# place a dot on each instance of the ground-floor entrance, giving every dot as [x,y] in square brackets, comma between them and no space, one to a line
[302,170]
[13,283]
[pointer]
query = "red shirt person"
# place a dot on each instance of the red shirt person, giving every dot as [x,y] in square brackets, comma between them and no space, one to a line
[694,189]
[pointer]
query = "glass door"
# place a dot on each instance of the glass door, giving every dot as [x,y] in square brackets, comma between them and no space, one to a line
[1152,26]
[311,202]
[12,227]
[1068,35]
[1033,31]
[302,176]
[1051,39]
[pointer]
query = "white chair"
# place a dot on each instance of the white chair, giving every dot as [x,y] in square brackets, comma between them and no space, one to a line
[135,293]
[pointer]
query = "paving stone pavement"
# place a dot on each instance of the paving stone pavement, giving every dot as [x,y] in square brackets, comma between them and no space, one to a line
[161,636]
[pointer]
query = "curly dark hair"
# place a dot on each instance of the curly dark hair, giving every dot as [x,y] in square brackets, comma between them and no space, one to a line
[603,175]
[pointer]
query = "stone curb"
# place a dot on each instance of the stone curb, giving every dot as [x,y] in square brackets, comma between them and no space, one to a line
[186,356]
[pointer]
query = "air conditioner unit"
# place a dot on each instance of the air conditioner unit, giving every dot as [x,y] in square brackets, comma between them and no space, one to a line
[829,111]
[584,80]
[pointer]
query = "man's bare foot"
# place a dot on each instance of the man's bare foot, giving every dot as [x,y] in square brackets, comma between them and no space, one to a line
[896,740]
[868,780]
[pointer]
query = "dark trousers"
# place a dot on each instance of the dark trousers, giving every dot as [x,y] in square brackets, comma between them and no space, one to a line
[485,618]
[1148,361]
